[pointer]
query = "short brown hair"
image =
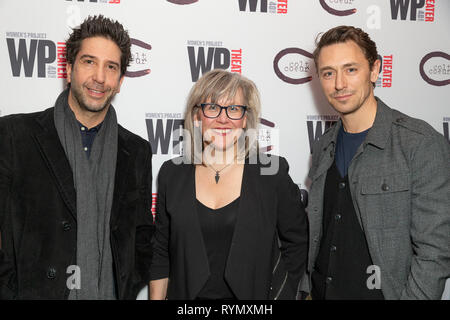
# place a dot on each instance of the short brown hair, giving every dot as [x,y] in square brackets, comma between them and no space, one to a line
[100,26]
[343,34]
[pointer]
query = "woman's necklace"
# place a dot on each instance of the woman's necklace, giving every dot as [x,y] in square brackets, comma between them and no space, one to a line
[217,176]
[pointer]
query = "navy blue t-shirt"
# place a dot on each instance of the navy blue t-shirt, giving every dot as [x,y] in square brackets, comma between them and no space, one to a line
[346,146]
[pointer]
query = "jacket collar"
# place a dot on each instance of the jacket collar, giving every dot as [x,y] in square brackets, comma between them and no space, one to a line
[121,178]
[55,157]
[378,135]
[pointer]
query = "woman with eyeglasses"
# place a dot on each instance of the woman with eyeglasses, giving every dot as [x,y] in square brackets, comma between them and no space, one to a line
[230,223]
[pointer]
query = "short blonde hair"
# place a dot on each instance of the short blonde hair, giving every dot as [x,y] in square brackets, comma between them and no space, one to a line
[220,84]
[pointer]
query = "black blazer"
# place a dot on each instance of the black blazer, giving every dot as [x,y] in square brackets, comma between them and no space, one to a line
[270,212]
[38,220]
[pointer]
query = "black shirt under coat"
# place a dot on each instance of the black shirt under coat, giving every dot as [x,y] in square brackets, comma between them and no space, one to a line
[341,269]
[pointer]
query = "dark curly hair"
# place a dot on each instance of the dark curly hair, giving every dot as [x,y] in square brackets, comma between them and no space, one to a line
[100,26]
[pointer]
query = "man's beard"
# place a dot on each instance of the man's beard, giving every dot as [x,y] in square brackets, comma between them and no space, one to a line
[78,96]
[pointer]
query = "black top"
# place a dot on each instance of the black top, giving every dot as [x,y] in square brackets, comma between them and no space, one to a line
[346,146]
[217,229]
[269,205]
[340,271]
[343,258]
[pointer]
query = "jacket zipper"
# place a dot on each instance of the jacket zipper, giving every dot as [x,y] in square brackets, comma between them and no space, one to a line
[276,265]
[282,286]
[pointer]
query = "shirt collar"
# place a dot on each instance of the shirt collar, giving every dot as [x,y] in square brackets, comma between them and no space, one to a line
[378,135]
[93,129]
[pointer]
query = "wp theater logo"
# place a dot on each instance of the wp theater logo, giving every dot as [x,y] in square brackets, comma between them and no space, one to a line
[435,68]
[264,6]
[36,55]
[317,125]
[293,65]
[207,55]
[153,209]
[139,65]
[164,132]
[385,77]
[419,10]
[339,8]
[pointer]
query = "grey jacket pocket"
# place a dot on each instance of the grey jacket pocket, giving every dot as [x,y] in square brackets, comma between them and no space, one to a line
[385,199]
[385,184]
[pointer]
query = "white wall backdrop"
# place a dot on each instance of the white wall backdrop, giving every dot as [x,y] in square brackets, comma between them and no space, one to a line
[178,40]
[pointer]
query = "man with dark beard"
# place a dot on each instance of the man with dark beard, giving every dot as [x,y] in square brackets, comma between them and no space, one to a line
[75,187]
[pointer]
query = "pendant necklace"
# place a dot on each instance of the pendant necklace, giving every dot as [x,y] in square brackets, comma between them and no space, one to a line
[217,176]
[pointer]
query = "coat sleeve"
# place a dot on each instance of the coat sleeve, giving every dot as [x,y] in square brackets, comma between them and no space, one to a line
[144,224]
[160,262]
[430,220]
[7,266]
[292,230]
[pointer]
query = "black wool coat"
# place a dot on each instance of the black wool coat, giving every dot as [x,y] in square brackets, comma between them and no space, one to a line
[38,220]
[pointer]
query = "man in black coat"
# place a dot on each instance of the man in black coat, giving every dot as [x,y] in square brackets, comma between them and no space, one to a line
[75,187]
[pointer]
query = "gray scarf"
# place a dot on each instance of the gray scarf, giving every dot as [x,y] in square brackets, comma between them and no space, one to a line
[94,185]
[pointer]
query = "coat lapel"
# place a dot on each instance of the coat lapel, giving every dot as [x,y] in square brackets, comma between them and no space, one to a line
[56,160]
[249,208]
[377,136]
[249,198]
[202,271]
[121,178]
[327,151]
[318,176]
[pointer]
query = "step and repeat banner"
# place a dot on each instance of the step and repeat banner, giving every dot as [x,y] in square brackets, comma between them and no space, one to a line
[269,41]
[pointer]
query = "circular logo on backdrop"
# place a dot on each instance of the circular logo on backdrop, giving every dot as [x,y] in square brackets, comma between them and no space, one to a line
[182,1]
[139,65]
[435,68]
[293,65]
[265,137]
[343,4]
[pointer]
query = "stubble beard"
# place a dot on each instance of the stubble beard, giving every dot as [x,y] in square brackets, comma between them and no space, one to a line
[357,105]
[84,105]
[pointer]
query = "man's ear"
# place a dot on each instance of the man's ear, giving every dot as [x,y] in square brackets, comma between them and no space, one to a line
[69,72]
[120,83]
[375,71]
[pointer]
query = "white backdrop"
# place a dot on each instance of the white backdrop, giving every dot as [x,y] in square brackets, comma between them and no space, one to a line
[178,40]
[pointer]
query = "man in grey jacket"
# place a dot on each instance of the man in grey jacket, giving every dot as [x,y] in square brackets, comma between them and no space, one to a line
[380,187]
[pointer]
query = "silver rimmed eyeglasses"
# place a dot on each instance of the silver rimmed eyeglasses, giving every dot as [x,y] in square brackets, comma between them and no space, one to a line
[213,110]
